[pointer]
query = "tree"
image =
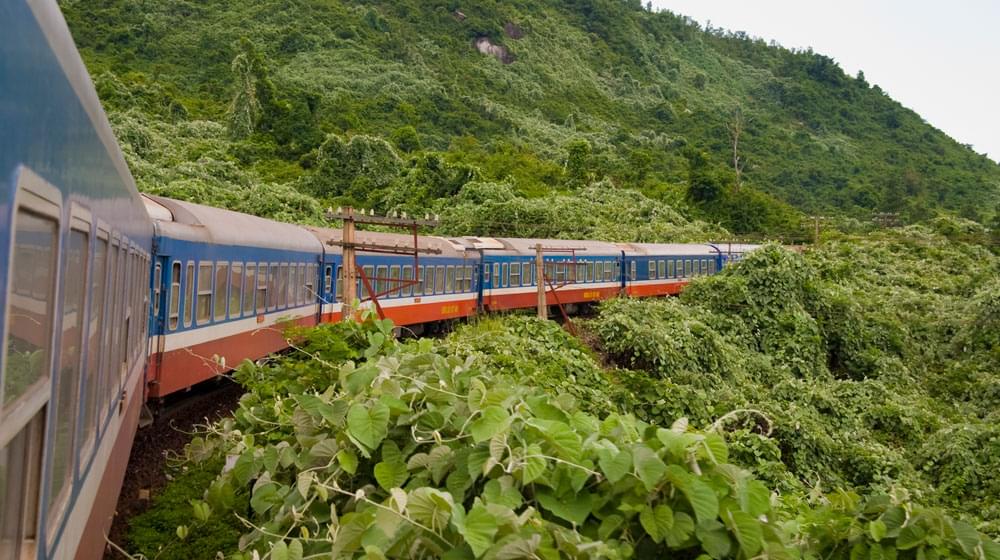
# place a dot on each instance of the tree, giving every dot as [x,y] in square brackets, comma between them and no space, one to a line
[737,124]
[703,183]
[578,171]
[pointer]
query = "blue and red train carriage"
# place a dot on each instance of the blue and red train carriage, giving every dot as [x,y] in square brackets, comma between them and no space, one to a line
[111,298]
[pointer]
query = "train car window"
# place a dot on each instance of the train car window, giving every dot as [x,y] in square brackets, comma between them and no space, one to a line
[496,275]
[439,280]
[561,270]
[711,266]
[188,293]
[652,270]
[501,279]
[370,273]
[407,288]
[249,287]
[157,287]
[427,278]
[339,295]
[670,268]
[526,274]
[449,287]
[300,286]
[283,285]
[204,308]
[26,376]
[381,280]
[122,307]
[310,283]
[662,268]
[272,286]
[236,290]
[607,271]
[328,280]
[98,281]
[704,266]
[515,274]
[486,273]
[293,284]
[688,267]
[394,282]
[261,297]
[68,383]
[222,292]
[174,305]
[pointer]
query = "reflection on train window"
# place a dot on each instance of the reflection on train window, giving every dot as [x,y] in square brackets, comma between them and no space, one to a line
[301,285]
[261,288]
[652,269]
[174,309]
[98,282]
[283,285]
[515,274]
[407,288]
[157,286]
[525,274]
[450,286]
[272,287]
[670,268]
[381,280]
[469,274]
[328,279]
[486,273]
[439,280]
[310,283]
[68,381]
[339,295]
[427,280]
[221,290]
[370,273]
[188,293]
[236,290]
[25,376]
[249,288]
[662,268]
[394,280]
[496,275]
[204,293]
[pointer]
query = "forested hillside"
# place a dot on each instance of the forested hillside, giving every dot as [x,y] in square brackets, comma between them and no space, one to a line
[269,106]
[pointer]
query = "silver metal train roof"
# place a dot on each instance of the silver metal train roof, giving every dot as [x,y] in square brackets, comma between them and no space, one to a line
[195,222]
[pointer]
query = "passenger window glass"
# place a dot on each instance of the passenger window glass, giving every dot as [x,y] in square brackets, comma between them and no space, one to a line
[188,294]
[310,283]
[272,287]
[439,280]
[174,309]
[300,285]
[670,268]
[261,302]
[221,290]
[486,273]
[68,383]
[25,375]
[526,274]
[250,286]
[394,281]
[283,285]
[515,274]
[468,277]
[236,290]
[370,273]
[407,289]
[32,289]
[204,293]
[98,280]
[157,282]
[381,280]
[496,274]
[450,286]
[663,269]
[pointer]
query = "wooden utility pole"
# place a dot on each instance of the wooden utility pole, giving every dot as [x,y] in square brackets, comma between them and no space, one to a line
[349,266]
[543,309]
[350,248]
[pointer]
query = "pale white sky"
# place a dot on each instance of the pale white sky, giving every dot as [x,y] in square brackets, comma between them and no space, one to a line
[941,59]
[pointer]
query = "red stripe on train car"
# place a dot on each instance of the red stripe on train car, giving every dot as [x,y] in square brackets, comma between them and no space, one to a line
[658,289]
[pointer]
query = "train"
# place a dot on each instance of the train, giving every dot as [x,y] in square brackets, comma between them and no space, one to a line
[113,299]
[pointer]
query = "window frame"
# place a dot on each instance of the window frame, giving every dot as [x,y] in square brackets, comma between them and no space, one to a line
[219,296]
[205,268]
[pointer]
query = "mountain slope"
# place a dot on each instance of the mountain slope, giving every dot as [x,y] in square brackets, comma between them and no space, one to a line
[223,97]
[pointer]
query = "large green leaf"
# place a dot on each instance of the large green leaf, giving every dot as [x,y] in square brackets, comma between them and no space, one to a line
[430,507]
[702,498]
[747,530]
[648,466]
[573,508]
[368,425]
[657,521]
[615,465]
[478,527]
[492,421]
[681,531]
[714,538]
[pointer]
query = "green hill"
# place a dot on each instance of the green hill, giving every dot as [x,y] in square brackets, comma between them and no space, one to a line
[269,106]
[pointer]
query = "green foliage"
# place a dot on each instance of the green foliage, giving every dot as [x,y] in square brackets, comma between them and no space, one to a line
[153,534]
[363,446]
[599,92]
[869,363]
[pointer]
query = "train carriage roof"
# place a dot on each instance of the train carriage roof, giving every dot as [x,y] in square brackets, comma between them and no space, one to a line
[510,246]
[667,249]
[448,248]
[188,221]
